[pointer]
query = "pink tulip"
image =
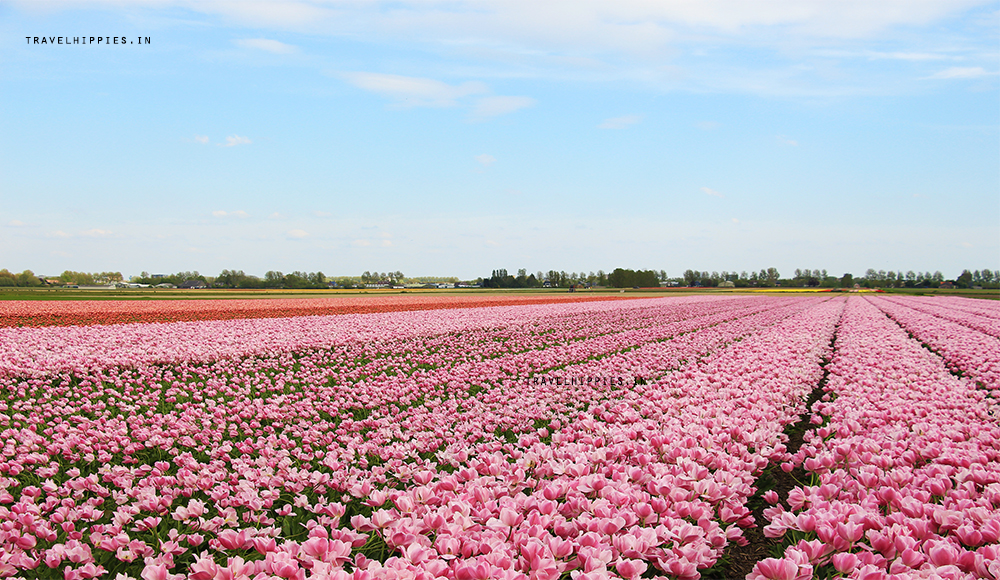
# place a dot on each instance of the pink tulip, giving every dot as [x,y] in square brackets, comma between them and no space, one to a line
[630,568]
[774,569]
[844,562]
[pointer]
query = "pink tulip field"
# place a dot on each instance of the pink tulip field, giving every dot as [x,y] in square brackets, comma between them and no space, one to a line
[577,440]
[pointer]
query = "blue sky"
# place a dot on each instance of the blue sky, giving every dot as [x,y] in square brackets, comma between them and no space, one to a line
[455,137]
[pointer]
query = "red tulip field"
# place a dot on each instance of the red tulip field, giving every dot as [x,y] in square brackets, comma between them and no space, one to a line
[86,313]
[471,439]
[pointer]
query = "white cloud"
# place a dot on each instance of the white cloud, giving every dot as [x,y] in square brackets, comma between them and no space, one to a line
[297,234]
[620,122]
[15,223]
[486,160]
[580,31]
[386,243]
[322,214]
[785,140]
[95,233]
[276,216]
[237,214]
[361,243]
[494,106]
[711,192]
[203,139]
[414,91]
[736,221]
[59,234]
[268,45]
[910,56]
[626,25]
[235,140]
[962,72]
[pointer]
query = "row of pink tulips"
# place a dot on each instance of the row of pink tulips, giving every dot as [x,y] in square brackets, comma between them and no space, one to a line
[984,308]
[446,445]
[985,320]
[906,467]
[965,350]
[42,351]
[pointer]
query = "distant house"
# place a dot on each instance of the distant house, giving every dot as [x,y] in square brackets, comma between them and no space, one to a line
[192,285]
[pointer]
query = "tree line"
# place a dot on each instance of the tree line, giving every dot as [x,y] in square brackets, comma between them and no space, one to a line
[27,278]
[500,278]
[764,278]
[618,278]
[820,278]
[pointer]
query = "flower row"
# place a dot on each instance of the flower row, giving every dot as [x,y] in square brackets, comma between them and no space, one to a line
[905,467]
[33,313]
[985,320]
[447,444]
[964,349]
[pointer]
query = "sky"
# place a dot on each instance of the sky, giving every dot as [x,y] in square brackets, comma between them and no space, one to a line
[455,137]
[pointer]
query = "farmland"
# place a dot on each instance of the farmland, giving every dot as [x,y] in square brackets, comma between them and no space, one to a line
[474,437]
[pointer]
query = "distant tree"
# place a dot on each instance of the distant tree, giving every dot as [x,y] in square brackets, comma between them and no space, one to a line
[847,280]
[501,279]
[624,278]
[273,279]
[964,280]
[27,278]
[616,279]
[80,278]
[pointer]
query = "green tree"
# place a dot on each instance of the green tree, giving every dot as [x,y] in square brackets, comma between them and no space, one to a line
[273,279]
[27,278]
